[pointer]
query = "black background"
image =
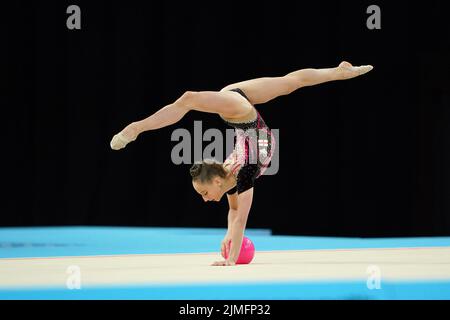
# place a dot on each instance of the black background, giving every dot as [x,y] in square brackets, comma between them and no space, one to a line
[364,157]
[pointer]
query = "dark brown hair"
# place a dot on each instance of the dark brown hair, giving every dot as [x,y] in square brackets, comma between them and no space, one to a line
[204,171]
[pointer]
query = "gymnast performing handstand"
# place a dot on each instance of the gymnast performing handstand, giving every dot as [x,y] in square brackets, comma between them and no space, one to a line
[235,104]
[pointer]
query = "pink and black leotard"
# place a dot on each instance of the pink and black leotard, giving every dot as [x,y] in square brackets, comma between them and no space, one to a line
[253,151]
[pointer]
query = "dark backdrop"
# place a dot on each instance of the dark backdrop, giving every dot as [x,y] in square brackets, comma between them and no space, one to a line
[364,157]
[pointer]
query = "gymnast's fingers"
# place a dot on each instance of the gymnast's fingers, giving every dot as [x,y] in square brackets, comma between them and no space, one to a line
[222,249]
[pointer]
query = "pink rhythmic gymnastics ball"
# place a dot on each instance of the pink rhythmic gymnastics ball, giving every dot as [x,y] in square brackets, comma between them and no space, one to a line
[247,252]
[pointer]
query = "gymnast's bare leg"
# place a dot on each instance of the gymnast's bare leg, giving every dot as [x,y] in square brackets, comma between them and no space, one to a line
[229,104]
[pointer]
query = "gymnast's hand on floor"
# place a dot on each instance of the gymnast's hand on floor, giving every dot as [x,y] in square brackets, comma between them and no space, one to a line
[224,263]
[124,137]
[345,70]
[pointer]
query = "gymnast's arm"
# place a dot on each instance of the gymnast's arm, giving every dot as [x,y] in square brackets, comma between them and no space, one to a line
[239,223]
[232,214]
[233,210]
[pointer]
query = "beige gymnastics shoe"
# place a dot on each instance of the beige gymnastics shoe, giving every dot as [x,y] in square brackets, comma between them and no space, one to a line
[119,141]
[124,137]
[345,70]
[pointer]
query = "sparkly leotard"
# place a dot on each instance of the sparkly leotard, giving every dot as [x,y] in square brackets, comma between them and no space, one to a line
[253,150]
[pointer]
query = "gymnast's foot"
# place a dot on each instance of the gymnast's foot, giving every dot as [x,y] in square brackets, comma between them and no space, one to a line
[127,135]
[345,70]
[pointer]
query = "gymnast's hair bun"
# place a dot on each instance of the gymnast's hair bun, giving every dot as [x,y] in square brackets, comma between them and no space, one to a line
[196,169]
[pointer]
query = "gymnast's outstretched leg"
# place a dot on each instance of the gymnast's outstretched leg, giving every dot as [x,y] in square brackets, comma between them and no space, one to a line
[261,90]
[223,103]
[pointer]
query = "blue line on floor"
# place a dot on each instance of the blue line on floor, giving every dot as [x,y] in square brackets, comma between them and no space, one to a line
[85,241]
[353,290]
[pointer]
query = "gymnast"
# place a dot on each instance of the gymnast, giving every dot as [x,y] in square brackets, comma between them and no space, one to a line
[235,104]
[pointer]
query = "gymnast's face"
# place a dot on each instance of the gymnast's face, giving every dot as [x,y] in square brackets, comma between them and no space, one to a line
[211,191]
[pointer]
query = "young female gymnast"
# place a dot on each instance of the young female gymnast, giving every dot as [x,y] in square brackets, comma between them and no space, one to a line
[235,105]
